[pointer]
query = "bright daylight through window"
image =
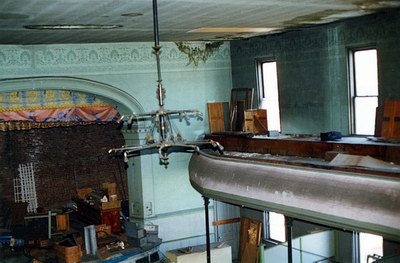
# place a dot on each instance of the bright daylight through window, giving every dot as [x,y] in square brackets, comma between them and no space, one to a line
[276,227]
[371,246]
[269,98]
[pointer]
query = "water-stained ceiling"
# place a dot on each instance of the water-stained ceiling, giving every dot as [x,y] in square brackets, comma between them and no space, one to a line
[103,21]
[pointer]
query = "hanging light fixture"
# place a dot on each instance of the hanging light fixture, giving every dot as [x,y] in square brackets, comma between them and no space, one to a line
[169,140]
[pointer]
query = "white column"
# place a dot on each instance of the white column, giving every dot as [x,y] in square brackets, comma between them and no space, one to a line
[140,178]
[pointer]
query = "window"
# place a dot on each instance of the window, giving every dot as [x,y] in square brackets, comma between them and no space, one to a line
[364,90]
[275,226]
[268,93]
[371,247]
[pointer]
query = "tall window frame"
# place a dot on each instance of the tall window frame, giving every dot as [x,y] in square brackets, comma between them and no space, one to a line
[363,89]
[268,91]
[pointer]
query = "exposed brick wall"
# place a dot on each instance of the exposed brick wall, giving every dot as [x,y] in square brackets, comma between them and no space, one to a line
[64,158]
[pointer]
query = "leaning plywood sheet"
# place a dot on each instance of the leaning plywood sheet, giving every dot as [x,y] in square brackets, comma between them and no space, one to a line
[250,238]
[216,116]
[391,119]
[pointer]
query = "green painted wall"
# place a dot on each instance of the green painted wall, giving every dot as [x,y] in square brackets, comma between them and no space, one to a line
[312,69]
[130,68]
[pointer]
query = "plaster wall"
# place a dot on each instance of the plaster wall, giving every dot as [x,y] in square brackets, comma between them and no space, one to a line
[313,69]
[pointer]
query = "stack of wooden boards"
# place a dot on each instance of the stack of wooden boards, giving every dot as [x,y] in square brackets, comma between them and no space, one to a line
[254,120]
[238,115]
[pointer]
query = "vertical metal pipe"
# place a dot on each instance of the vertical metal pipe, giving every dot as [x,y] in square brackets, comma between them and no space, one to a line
[157,51]
[355,247]
[49,225]
[215,215]
[160,89]
[155,24]
[208,247]
[289,237]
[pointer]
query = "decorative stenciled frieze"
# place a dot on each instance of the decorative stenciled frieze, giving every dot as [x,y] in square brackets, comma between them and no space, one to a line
[97,59]
[10,56]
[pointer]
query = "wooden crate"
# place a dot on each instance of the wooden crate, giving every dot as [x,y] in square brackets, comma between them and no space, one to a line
[255,121]
[71,254]
[62,222]
[110,188]
[102,230]
[216,116]
[111,217]
[83,192]
[391,119]
[109,205]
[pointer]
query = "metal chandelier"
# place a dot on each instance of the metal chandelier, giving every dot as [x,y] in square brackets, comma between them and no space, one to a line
[168,140]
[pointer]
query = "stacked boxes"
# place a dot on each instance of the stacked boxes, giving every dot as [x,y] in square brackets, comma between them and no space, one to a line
[110,190]
[138,236]
[151,232]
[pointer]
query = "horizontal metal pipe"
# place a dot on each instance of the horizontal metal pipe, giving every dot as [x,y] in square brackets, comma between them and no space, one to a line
[351,201]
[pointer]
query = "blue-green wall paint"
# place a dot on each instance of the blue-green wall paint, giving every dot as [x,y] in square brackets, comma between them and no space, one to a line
[312,69]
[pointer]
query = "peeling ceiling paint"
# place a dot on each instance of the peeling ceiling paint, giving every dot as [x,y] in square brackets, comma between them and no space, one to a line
[177,18]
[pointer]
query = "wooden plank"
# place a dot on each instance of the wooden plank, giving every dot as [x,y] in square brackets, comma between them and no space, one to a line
[260,121]
[241,99]
[391,119]
[396,120]
[250,238]
[226,221]
[248,121]
[216,116]
[239,121]
[378,121]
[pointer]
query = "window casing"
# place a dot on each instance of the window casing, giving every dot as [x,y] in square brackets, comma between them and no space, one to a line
[268,92]
[275,227]
[363,90]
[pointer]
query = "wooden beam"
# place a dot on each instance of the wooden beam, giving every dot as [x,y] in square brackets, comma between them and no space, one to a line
[226,221]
